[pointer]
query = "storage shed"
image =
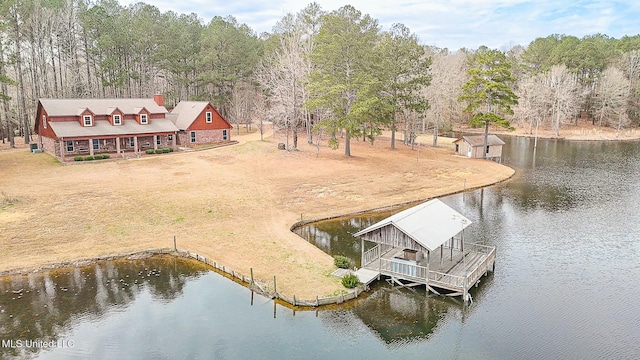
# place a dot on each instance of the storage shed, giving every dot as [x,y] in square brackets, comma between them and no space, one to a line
[472,146]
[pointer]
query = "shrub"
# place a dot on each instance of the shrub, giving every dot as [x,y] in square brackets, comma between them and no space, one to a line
[342,262]
[106,156]
[98,157]
[88,158]
[78,158]
[165,150]
[158,151]
[170,149]
[149,151]
[350,281]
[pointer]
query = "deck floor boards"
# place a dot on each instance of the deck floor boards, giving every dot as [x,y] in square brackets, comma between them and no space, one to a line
[450,263]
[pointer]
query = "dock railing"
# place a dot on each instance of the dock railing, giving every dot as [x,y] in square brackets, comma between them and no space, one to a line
[405,269]
[374,253]
[446,281]
[483,267]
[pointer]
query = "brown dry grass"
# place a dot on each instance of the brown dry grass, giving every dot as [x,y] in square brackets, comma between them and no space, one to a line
[234,205]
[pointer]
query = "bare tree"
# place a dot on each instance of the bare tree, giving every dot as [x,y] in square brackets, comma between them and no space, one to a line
[565,95]
[610,102]
[448,73]
[534,103]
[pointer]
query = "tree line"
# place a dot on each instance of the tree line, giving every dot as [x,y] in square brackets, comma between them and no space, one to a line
[331,75]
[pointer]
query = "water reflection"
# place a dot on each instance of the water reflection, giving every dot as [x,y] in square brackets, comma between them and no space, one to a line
[40,306]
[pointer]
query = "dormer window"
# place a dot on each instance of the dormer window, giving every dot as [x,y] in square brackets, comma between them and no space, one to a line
[208,117]
[117,119]
[87,120]
[144,119]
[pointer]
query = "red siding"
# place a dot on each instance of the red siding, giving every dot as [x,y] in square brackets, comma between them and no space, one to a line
[40,129]
[217,121]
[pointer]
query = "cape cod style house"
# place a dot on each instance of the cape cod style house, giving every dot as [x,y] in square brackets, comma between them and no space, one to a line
[73,127]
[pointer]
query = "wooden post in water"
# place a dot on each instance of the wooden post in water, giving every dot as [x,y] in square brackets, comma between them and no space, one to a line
[175,247]
[251,276]
[274,286]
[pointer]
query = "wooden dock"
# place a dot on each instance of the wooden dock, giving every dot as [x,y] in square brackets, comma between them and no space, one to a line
[447,271]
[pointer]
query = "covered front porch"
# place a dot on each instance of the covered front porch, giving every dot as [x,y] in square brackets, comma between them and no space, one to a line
[67,149]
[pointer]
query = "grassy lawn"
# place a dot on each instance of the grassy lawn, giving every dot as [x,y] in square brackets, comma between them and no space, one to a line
[232,204]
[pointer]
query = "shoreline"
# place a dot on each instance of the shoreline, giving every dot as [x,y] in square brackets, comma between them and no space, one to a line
[585,132]
[239,278]
[243,218]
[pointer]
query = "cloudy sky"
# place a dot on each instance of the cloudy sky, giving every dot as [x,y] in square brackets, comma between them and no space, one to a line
[445,23]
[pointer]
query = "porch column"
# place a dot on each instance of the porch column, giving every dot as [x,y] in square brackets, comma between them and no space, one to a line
[173,140]
[135,144]
[117,146]
[91,147]
[155,142]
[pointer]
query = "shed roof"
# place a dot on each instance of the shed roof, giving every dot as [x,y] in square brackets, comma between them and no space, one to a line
[66,107]
[478,140]
[430,224]
[72,129]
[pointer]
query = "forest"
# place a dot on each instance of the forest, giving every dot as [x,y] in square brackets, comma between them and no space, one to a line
[330,75]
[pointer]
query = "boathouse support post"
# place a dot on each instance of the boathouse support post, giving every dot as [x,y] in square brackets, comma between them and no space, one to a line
[362,264]
[451,248]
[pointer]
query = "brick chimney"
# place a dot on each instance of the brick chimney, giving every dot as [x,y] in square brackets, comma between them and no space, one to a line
[159,99]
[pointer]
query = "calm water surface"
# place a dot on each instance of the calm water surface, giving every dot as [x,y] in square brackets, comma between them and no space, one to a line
[565,287]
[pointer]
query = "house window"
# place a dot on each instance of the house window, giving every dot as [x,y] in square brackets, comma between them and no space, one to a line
[69,146]
[158,140]
[44,121]
[132,142]
[117,120]
[144,119]
[170,137]
[88,120]
[225,135]
[208,119]
[193,136]
[96,144]
[487,149]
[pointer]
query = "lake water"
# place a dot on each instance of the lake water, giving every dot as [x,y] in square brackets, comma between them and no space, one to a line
[567,233]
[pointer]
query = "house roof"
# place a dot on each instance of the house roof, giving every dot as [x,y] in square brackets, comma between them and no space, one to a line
[430,224]
[186,112]
[478,140]
[72,129]
[73,107]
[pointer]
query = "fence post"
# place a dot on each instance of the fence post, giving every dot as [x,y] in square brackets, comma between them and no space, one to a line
[175,248]
[317,301]
[251,276]
[275,290]
[294,300]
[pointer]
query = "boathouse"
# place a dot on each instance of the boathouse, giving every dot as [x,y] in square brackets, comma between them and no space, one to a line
[424,245]
[472,146]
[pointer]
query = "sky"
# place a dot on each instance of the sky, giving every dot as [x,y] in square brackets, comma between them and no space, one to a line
[452,24]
